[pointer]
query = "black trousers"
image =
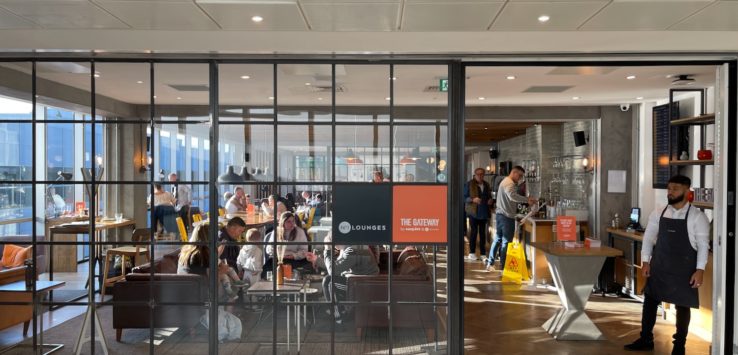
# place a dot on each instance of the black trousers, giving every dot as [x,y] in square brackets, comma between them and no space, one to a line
[648,320]
[478,226]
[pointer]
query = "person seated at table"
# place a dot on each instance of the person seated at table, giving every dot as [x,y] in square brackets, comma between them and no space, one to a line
[378,176]
[306,198]
[251,258]
[231,234]
[226,196]
[163,205]
[268,208]
[346,260]
[289,202]
[195,259]
[293,253]
[238,202]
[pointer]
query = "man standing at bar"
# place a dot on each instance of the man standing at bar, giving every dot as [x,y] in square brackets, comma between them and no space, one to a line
[183,194]
[507,207]
[674,255]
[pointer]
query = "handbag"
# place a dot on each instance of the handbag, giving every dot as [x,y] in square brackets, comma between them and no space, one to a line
[470,209]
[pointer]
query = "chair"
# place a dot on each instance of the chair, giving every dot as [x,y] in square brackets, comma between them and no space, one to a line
[182,230]
[139,235]
[221,212]
[196,217]
[311,217]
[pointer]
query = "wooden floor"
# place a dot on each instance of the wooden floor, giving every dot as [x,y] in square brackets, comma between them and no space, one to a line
[498,318]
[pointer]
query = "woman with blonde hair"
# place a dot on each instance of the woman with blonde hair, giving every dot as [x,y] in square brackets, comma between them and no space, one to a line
[195,259]
[293,253]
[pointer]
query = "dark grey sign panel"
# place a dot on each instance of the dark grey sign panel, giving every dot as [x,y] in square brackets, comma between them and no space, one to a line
[362,214]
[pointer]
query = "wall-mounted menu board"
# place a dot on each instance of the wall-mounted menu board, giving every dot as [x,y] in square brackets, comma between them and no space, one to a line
[661,154]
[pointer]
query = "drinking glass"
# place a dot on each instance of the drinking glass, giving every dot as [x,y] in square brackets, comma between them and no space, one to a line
[269,276]
[119,217]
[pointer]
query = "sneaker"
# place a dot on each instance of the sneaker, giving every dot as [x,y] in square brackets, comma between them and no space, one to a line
[472,256]
[484,259]
[491,268]
[640,345]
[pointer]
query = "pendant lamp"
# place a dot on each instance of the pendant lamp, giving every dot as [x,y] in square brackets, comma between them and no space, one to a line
[229,176]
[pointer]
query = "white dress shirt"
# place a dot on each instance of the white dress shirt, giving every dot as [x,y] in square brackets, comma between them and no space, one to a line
[698,227]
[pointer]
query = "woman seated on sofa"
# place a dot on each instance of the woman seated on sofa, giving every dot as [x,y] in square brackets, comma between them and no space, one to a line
[195,259]
[294,253]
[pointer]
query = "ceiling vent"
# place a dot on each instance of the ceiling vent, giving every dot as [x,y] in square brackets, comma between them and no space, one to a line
[547,89]
[189,88]
[682,79]
[326,88]
[432,88]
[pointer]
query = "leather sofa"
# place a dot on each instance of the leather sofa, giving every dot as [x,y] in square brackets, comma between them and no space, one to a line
[364,289]
[14,314]
[166,286]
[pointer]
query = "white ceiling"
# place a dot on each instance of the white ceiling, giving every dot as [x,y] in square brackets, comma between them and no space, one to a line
[364,15]
[369,85]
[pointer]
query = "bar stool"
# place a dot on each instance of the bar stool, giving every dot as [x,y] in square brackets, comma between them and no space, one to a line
[139,235]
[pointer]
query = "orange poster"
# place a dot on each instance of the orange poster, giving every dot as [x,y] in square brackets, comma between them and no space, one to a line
[419,214]
[566,228]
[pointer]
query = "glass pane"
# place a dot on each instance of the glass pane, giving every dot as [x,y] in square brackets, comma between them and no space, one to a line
[420,154]
[419,95]
[183,149]
[248,150]
[16,155]
[303,90]
[63,90]
[246,92]
[361,151]
[304,153]
[15,91]
[15,210]
[182,92]
[123,91]
[362,93]
[63,149]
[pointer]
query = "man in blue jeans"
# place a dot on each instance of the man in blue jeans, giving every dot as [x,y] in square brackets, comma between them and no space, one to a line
[507,207]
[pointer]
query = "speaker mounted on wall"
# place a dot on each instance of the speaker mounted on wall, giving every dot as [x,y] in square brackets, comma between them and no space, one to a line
[579,138]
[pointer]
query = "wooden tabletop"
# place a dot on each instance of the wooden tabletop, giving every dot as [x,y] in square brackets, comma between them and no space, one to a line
[637,236]
[81,228]
[560,250]
[268,287]
[41,286]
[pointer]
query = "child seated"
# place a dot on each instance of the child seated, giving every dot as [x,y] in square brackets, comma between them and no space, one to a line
[251,258]
[229,280]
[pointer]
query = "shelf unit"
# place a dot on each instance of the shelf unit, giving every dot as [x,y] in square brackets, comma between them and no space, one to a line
[682,125]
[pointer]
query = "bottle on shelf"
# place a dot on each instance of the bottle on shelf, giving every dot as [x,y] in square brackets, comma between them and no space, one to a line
[615,223]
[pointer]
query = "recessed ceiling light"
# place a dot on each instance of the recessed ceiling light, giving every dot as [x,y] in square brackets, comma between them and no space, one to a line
[510,77]
[140,82]
[179,98]
[575,98]
[387,98]
[245,77]
[320,99]
[482,98]
[394,78]
[308,84]
[639,98]
[154,96]
[630,77]
[271,97]
[485,128]
[257,18]
[543,18]
[97,75]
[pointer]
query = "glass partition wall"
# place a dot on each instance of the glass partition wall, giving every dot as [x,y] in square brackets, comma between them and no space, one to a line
[115,173]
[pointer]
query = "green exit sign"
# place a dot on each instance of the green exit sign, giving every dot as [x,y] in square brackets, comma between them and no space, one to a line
[443,85]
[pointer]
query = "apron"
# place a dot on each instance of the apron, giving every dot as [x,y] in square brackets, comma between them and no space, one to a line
[672,265]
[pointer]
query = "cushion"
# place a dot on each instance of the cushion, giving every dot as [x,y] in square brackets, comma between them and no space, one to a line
[14,256]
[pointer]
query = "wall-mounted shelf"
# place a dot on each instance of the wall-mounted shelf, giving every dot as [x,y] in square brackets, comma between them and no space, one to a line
[708,118]
[691,162]
[702,204]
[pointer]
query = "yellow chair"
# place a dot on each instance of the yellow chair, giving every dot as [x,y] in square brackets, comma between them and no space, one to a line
[221,212]
[196,217]
[182,229]
[311,216]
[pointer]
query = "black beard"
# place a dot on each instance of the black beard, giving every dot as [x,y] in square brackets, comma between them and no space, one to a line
[675,200]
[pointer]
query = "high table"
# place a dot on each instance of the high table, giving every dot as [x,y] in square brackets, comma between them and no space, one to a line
[574,271]
[42,287]
[293,290]
[83,227]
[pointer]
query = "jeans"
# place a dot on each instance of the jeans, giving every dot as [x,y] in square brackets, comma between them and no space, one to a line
[478,226]
[648,320]
[505,232]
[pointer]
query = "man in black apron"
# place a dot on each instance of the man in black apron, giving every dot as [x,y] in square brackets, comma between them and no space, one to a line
[674,254]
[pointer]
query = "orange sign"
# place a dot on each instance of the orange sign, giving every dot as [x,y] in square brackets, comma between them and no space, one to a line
[419,214]
[566,228]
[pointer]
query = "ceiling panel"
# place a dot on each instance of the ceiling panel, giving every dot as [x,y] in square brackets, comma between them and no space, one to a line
[643,15]
[352,17]
[278,16]
[160,15]
[523,15]
[58,14]
[449,16]
[10,21]
[722,16]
